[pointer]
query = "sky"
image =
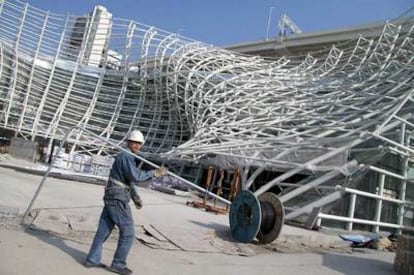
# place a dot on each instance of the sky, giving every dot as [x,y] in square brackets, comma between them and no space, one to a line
[230,22]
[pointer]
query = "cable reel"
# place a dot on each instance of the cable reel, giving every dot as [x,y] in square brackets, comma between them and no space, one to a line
[252,217]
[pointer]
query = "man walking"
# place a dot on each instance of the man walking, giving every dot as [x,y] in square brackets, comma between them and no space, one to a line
[118,191]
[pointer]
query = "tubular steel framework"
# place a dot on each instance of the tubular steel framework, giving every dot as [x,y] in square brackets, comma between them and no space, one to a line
[330,115]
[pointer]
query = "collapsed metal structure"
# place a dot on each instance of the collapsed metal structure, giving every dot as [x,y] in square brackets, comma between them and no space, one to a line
[320,122]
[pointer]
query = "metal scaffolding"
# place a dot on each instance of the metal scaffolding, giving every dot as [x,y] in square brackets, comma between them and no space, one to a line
[329,116]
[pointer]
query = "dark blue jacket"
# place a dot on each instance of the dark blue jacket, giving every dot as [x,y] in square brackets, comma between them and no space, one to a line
[121,180]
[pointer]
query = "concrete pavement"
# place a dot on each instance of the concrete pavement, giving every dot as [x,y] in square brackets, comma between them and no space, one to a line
[43,254]
[36,252]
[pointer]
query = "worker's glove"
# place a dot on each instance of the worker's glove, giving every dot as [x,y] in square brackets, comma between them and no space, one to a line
[160,171]
[138,204]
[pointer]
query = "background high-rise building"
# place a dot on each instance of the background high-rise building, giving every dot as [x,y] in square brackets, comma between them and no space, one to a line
[89,37]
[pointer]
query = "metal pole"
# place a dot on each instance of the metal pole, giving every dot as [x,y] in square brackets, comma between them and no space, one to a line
[362,221]
[367,194]
[403,187]
[156,166]
[268,22]
[378,205]
[129,152]
[314,183]
[351,211]
[334,196]
[29,208]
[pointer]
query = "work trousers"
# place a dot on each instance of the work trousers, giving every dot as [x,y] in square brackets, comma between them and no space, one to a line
[117,213]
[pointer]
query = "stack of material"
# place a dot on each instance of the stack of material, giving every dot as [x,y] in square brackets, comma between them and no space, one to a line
[404,259]
[202,240]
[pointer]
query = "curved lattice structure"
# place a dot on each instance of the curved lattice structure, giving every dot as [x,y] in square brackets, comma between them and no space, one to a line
[112,75]
[322,114]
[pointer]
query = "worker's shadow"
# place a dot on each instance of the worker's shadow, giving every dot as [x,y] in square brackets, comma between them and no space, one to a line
[58,242]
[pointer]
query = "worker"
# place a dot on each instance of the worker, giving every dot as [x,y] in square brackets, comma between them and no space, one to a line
[118,192]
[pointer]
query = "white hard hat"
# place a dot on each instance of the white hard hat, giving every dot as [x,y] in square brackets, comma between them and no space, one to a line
[136,136]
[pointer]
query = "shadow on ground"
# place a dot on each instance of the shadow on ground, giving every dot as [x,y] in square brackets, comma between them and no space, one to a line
[356,265]
[58,242]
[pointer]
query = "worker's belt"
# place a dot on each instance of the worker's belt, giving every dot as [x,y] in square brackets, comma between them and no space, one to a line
[129,191]
[117,182]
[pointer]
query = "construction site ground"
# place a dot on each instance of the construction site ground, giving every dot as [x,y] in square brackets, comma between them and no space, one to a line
[172,237]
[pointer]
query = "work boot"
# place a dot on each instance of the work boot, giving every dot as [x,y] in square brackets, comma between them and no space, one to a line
[89,264]
[119,270]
